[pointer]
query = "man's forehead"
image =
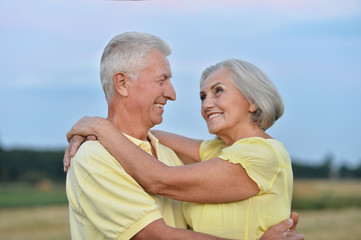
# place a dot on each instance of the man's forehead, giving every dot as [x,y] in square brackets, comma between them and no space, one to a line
[163,70]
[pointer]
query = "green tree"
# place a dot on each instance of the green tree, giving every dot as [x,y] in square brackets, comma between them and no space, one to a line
[23,164]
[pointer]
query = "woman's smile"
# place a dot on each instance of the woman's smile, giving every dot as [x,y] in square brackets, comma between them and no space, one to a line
[224,108]
[213,115]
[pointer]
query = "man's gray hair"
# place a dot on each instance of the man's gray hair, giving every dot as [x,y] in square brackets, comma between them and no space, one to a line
[255,86]
[127,53]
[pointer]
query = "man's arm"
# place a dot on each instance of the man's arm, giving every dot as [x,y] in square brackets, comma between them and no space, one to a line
[158,230]
[285,230]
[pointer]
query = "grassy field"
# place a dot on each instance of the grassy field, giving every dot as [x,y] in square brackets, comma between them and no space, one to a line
[23,195]
[31,221]
[323,194]
[51,222]
[338,224]
[35,223]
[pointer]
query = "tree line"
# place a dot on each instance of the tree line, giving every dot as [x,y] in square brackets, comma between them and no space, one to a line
[31,166]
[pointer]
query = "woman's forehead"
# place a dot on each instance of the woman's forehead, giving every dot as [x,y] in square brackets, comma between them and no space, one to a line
[220,76]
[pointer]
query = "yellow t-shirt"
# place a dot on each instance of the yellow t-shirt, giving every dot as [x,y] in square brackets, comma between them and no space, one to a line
[106,203]
[268,163]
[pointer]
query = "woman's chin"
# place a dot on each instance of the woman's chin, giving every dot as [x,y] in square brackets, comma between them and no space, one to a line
[212,131]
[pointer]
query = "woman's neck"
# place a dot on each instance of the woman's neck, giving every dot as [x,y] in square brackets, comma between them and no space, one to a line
[231,137]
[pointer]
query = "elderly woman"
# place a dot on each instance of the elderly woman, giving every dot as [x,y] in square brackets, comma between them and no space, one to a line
[234,186]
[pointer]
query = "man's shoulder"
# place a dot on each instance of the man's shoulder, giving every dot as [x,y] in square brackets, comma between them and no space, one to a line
[88,147]
[166,150]
[167,156]
[92,145]
[92,153]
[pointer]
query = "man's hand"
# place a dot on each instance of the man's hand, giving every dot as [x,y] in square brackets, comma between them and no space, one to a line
[285,230]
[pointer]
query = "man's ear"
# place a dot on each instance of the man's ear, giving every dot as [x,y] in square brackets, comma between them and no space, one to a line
[121,83]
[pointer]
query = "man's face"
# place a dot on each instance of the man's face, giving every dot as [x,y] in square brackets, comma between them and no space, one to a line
[151,91]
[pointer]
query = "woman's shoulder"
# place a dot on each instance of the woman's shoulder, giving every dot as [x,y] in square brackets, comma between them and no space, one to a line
[255,146]
[213,142]
[258,142]
[211,148]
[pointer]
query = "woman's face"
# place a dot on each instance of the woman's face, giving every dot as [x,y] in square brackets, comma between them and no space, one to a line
[224,108]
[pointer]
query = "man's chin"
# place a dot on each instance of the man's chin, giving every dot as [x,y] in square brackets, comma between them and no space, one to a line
[157,121]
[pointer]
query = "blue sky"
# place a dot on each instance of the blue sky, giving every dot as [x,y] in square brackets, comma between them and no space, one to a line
[311,50]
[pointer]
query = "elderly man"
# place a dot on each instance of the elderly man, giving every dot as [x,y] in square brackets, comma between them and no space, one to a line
[104,201]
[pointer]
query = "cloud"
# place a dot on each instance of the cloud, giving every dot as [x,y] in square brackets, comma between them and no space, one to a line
[320,9]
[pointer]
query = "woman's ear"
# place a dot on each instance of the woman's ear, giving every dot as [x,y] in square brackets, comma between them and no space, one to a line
[121,83]
[252,107]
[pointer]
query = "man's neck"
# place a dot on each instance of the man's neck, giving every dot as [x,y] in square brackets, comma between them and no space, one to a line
[129,126]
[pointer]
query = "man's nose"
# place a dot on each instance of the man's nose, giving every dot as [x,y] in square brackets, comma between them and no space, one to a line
[169,92]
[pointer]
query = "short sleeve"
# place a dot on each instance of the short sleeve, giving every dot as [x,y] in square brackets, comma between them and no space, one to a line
[112,200]
[257,157]
[211,148]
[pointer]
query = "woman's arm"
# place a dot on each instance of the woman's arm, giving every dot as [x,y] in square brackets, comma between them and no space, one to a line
[186,148]
[212,181]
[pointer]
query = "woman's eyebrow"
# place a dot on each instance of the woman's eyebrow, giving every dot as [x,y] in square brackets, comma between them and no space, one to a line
[216,84]
[213,86]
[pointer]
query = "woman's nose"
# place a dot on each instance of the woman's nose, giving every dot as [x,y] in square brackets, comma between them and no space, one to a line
[207,103]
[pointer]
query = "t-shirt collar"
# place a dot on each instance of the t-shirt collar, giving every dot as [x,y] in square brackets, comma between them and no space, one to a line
[145,145]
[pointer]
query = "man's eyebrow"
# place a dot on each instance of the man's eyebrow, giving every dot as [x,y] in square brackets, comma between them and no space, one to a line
[166,75]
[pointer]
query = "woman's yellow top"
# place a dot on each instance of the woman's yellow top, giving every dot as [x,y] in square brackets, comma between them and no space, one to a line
[268,164]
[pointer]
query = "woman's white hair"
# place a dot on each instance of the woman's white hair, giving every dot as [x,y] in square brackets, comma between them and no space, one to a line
[255,86]
[126,53]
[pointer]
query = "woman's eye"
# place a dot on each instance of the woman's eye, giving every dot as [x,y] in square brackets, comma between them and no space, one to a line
[202,97]
[219,90]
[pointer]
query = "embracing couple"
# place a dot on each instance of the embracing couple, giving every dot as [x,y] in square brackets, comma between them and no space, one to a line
[127,182]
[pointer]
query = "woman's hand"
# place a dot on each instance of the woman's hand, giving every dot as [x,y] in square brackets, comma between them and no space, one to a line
[86,126]
[84,129]
[72,148]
